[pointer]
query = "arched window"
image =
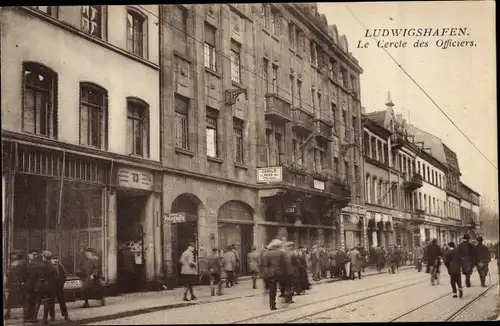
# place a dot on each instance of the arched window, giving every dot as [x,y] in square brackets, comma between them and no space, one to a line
[39,100]
[136,32]
[137,127]
[93,116]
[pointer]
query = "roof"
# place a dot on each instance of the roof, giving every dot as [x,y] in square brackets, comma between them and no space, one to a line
[430,141]
[378,117]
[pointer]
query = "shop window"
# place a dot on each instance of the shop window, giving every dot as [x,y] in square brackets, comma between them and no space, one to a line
[39,100]
[93,115]
[136,32]
[137,127]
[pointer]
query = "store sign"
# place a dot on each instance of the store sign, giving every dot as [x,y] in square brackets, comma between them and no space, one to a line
[269,175]
[318,184]
[355,209]
[133,178]
[174,217]
[291,208]
[433,219]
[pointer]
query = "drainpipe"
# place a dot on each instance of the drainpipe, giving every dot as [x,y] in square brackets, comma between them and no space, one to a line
[61,196]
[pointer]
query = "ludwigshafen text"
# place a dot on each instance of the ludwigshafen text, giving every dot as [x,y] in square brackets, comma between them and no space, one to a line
[376,32]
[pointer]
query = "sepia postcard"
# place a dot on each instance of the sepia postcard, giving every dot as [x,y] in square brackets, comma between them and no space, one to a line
[233,163]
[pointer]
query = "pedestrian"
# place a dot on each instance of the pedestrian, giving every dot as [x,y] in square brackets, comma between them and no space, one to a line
[30,304]
[466,253]
[379,258]
[482,260]
[45,288]
[290,276]
[364,258]
[434,255]
[453,264]
[274,268]
[400,257]
[323,261]
[16,278]
[253,259]
[214,269]
[188,272]
[355,259]
[418,254]
[229,262]
[237,265]
[340,262]
[315,263]
[262,270]
[59,290]
[303,281]
[126,269]
[91,275]
[333,263]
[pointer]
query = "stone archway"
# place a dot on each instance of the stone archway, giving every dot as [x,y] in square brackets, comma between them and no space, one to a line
[235,227]
[189,231]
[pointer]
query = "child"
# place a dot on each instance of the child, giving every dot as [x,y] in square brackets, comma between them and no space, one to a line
[453,264]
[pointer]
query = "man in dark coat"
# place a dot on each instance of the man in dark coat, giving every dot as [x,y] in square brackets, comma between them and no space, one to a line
[59,289]
[126,269]
[341,261]
[434,255]
[262,269]
[333,263]
[16,276]
[379,258]
[30,304]
[214,269]
[253,262]
[323,261]
[453,264]
[45,288]
[291,271]
[466,254]
[315,263]
[274,268]
[303,278]
[91,276]
[483,258]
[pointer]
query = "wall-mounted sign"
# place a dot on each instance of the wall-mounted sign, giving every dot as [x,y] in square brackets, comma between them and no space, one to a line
[174,217]
[134,178]
[318,184]
[291,208]
[269,175]
[433,219]
[355,209]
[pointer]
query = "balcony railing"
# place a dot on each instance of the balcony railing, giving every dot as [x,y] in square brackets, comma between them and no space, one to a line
[277,108]
[302,120]
[413,183]
[324,130]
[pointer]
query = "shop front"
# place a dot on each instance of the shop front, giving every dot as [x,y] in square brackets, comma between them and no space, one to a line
[353,218]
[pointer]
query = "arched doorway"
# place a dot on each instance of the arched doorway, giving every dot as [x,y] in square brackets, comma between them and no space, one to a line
[235,226]
[184,233]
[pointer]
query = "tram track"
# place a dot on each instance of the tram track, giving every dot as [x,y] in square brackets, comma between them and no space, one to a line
[470,303]
[295,307]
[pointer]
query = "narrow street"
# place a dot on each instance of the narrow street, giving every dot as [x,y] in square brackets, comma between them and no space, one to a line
[407,296]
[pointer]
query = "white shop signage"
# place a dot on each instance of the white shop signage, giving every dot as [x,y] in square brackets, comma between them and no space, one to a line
[269,175]
[175,217]
[318,184]
[433,219]
[356,209]
[134,178]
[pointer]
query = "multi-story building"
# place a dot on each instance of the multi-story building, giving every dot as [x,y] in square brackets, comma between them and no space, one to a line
[80,132]
[261,119]
[453,193]
[469,210]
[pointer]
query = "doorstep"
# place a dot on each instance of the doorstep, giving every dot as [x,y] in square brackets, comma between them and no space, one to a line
[146,302]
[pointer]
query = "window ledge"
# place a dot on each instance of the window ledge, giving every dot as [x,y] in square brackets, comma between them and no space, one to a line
[214,159]
[240,166]
[183,56]
[183,151]
[136,156]
[275,38]
[213,72]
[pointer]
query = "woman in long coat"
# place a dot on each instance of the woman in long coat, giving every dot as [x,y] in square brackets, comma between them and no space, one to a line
[354,257]
[91,276]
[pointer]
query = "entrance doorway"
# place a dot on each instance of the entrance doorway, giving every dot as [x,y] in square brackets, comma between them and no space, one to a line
[130,212]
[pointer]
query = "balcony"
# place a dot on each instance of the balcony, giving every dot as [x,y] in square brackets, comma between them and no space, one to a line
[417,216]
[278,109]
[397,141]
[302,121]
[324,130]
[468,222]
[413,183]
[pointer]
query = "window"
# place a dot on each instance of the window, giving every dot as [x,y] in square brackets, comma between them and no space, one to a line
[312,98]
[92,20]
[298,40]
[432,177]
[425,203]
[291,35]
[210,57]
[320,110]
[418,166]
[277,148]
[428,174]
[423,170]
[235,62]
[211,129]
[265,67]
[93,115]
[275,22]
[181,122]
[345,81]
[49,10]
[238,140]
[267,18]
[320,157]
[292,88]
[336,166]
[314,54]
[275,79]
[136,28]
[434,205]
[299,91]
[39,100]
[334,118]
[137,127]
[346,170]
[344,121]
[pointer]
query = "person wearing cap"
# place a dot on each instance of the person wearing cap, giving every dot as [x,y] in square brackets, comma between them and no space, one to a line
[466,253]
[16,276]
[214,270]
[253,260]
[354,257]
[33,270]
[188,271]
[59,289]
[453,264]
[45,287]
[229,263]
[289,278]
[274,268]
[482,260]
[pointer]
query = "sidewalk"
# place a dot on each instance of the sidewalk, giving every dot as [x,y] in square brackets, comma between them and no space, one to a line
[145,302]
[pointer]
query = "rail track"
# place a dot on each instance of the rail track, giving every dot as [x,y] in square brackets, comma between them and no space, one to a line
[295,307]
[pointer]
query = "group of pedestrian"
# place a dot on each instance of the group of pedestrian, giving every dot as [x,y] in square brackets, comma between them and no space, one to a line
[337,262]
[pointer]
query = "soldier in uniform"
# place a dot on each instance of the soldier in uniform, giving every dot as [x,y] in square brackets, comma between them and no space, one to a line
[253,259]
[214,268]
[16,276]
[483,258]
[274,268]
[466,254]
[30,304]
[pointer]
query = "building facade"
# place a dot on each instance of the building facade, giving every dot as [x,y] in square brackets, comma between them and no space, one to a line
[80,133]
[469,210]
[261,119]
